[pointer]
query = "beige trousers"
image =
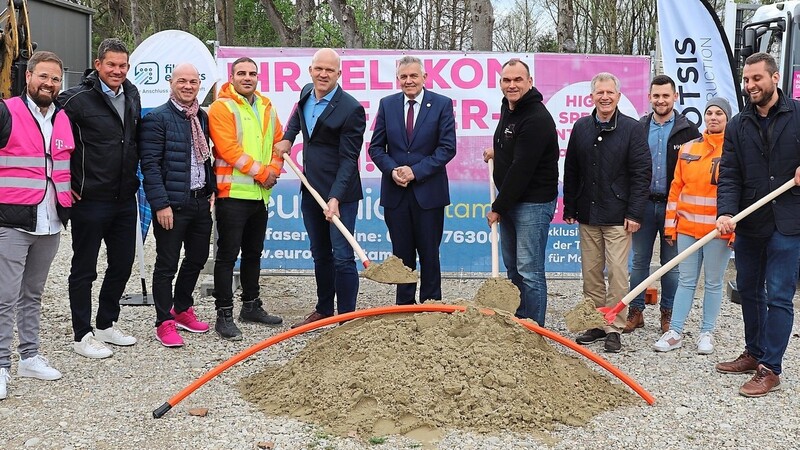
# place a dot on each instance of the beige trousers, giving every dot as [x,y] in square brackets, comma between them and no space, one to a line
[605,248]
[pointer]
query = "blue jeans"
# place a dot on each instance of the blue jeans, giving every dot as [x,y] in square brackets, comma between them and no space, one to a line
[334,261]
[766,277]
[523,238]
[713,258]
[642,246]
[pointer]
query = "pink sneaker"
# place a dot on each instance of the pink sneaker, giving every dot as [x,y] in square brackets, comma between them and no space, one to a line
[188,321]
[168,335]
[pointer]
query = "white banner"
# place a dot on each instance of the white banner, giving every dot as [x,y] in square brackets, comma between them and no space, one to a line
[697,55]
[154,59]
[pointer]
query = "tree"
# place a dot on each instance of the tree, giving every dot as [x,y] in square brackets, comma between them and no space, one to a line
[482,19]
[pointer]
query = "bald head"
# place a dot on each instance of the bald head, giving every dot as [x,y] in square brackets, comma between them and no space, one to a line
[185,83]
[325,69]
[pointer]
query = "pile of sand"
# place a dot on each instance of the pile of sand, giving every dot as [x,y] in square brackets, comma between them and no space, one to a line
[390,271]
[419,374]
[584,316]
[498,293]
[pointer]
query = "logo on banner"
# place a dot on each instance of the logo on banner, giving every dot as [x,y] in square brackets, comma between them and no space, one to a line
[146,73]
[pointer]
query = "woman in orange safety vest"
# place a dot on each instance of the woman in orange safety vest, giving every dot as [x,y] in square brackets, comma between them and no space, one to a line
[691,214]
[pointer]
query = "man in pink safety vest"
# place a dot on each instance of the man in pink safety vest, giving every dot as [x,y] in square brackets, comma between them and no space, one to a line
[35,147]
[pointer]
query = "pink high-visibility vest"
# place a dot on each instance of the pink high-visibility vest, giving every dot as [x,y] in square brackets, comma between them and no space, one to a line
[23,161]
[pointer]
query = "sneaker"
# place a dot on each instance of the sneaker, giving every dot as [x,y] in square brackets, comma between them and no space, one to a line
[670,340]
[252,311]
[187,320]
[591,335]
[114,335]
[666,318]
[635,320]
[705,343]
[762,383]
[167,334]
[225,327]
[90,347]
[744,363]
[613,343]
[4,378]
[37,367]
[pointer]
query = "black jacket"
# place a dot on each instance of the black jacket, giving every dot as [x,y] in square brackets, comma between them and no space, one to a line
[753,165]
[165,141]
[525,154]
[106,157]
[682,132]
[22,216]
[606,171]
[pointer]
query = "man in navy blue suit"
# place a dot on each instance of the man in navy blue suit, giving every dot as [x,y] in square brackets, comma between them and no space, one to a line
[414,138]
[333,124]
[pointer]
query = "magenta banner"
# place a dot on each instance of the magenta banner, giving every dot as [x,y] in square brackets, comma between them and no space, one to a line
[472,81]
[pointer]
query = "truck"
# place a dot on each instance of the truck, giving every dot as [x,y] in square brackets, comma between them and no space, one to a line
[774,29]
[16,47]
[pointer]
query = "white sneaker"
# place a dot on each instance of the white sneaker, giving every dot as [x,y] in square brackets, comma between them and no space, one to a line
[4,378]
[37,367]
[114,335]
[669,341]
[705,343]
[90,347]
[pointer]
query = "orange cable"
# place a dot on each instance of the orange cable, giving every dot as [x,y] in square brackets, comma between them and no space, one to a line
[396,309]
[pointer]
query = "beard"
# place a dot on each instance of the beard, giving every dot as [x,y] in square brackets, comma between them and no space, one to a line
[766,97]
[42,99]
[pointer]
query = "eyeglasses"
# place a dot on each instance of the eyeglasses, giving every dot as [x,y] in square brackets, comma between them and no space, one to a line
[43,77]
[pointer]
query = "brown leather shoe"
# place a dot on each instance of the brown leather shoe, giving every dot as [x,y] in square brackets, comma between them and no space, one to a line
[635,320]
[313,317]
[762,383]
[745,363]
[666,317]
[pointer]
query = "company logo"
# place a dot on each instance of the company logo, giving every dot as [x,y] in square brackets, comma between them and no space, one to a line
[59,144]
[146,73]
[149,72]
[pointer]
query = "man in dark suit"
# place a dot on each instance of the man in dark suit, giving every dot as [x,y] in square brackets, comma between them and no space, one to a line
[414,138]
[333,124]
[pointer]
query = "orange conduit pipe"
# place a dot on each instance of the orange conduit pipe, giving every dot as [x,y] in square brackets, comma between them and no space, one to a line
[397,309]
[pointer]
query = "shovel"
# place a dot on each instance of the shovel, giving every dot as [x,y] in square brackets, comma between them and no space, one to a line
[496,292]
[611,312]
[391,271]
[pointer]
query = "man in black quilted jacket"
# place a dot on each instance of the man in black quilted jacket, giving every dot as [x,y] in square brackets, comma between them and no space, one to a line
[104,110]
[179,183]
[606,183]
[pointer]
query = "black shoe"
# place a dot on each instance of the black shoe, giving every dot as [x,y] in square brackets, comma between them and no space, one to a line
[253,312]
[590,335]
[613,343]
[225,327]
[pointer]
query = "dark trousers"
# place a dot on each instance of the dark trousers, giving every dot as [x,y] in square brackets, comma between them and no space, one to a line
[191,229]
[416,231]
[241,225]
[334,261]
[93,222]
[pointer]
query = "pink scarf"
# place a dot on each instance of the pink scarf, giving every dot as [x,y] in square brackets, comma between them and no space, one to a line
[199,142]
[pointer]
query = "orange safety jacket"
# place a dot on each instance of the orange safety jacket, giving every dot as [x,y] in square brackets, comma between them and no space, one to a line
[692,203]
[243,144]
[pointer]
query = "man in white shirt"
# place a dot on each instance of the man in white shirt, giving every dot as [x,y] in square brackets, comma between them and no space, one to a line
[36,143]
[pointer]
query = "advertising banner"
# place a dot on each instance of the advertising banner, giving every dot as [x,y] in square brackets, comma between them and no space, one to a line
[154,59]
[697,55]
[472,81]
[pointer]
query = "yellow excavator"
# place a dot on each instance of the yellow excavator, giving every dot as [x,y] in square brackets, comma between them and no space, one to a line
[16,47]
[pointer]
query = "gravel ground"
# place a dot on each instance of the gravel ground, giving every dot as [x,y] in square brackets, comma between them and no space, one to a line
[107,404]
